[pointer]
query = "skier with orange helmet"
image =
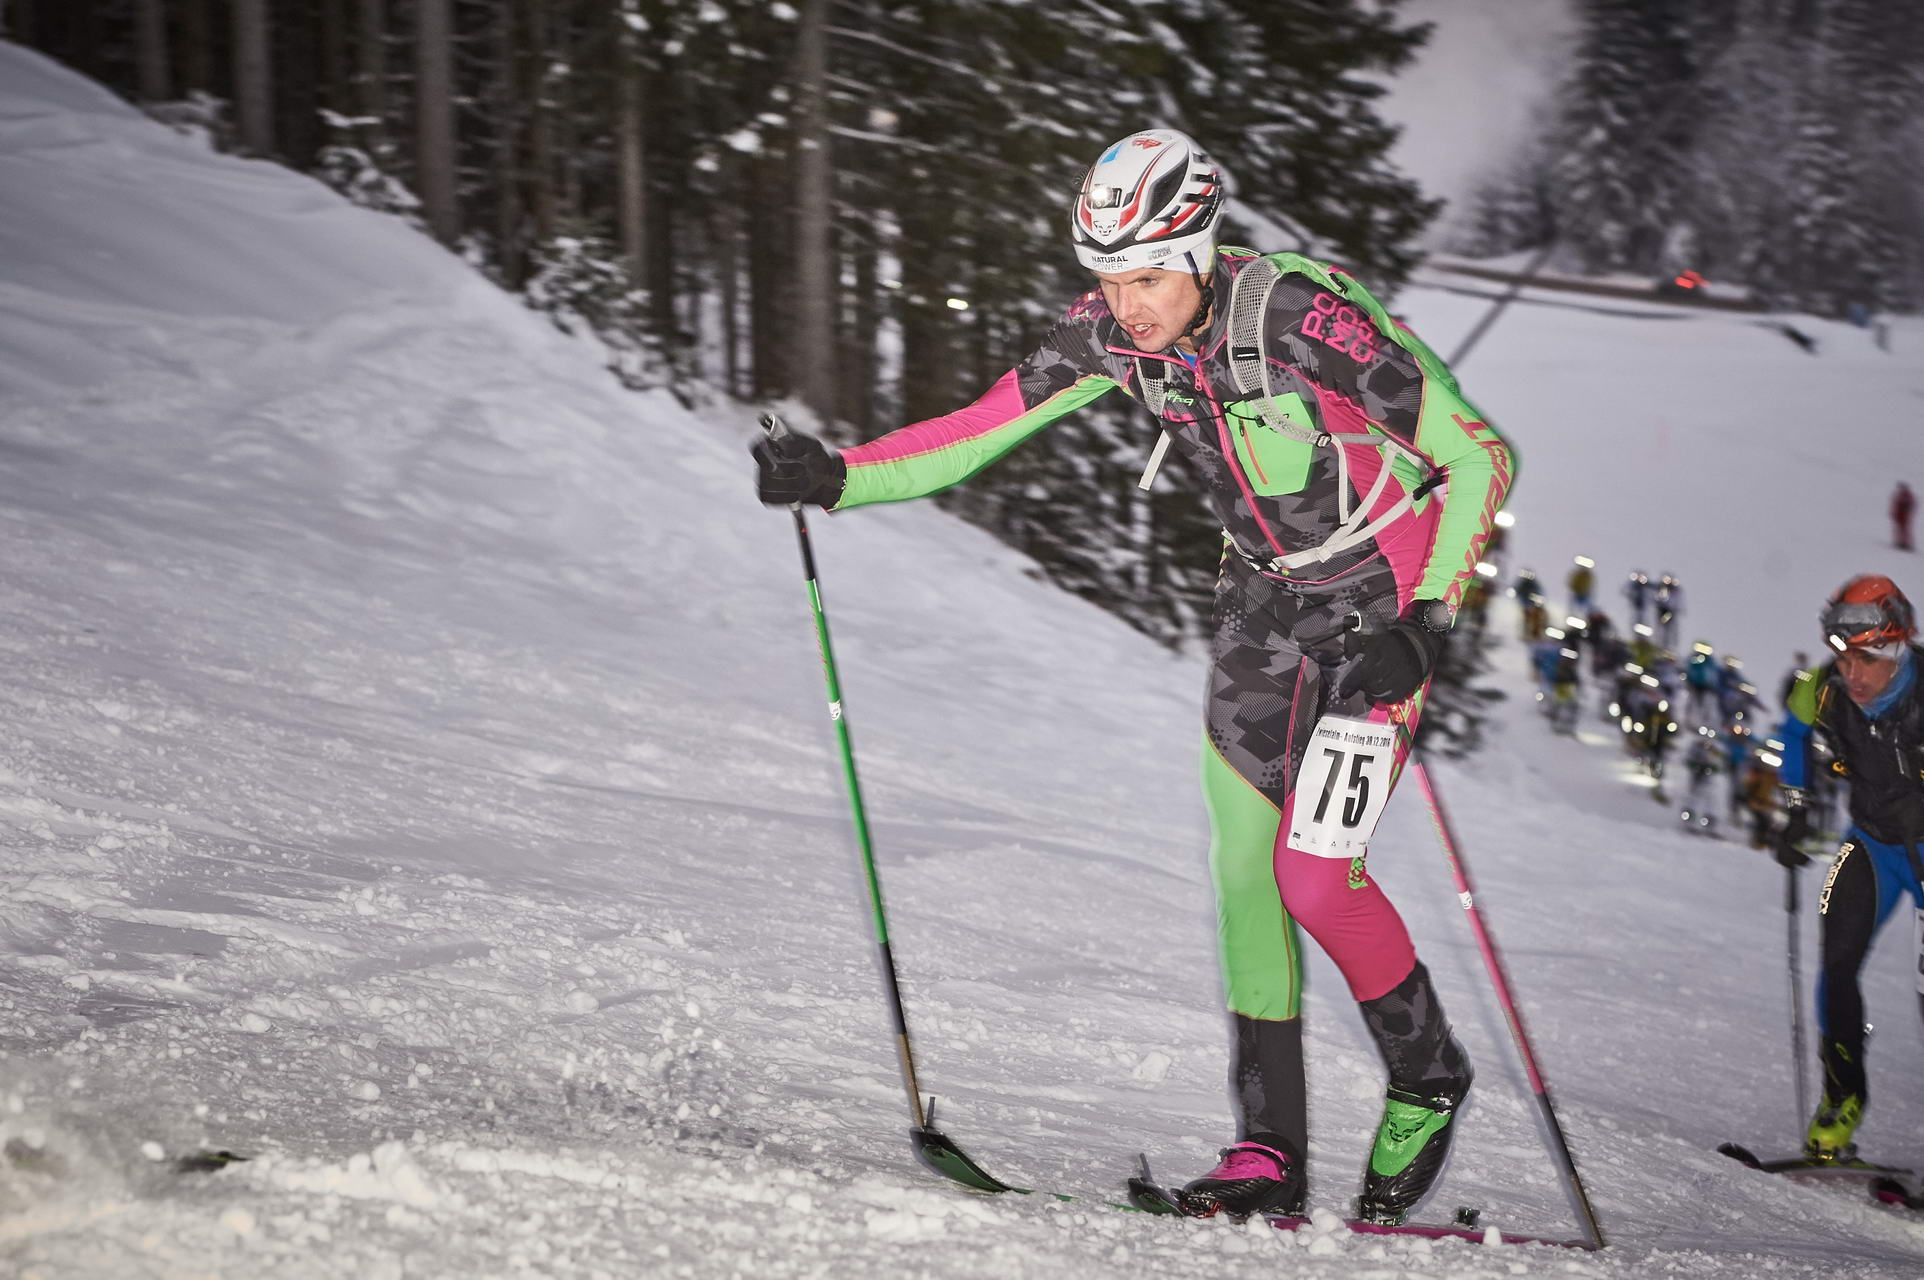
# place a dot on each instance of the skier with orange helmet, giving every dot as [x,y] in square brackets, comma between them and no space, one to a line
[1867,704]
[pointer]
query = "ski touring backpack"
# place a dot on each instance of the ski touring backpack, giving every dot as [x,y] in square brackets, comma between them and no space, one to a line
[1248,308]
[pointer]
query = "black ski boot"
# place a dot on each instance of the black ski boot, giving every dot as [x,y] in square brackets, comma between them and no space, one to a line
[1429,1076]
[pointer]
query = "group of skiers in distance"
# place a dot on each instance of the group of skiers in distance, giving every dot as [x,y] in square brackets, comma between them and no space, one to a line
[1836,765]
[1649,688]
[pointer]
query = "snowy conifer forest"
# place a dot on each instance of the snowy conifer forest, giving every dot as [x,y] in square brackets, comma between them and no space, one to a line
[856,204]
[1775,144]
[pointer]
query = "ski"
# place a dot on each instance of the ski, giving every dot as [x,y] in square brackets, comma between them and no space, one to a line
[207,1161]
[1150,1196]
[939,1154]
[1812,1166]
[1439,1231]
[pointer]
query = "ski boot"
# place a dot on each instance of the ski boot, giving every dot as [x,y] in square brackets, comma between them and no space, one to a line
[1412,1142]
[1253,1177]
[1833,1127]
[1429,1076]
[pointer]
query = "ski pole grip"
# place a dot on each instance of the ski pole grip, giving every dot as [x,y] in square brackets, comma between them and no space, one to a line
[775,429]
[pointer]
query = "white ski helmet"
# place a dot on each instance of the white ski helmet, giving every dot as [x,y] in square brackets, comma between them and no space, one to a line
[1152,200]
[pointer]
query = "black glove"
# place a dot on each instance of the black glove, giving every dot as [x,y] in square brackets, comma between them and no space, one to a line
[1396,661]
[792,467]
[1796,827]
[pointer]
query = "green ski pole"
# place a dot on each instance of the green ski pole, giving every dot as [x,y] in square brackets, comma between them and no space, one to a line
[932,1146]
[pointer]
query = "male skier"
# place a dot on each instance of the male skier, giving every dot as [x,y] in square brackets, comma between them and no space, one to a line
[1356,489]
[1868,705]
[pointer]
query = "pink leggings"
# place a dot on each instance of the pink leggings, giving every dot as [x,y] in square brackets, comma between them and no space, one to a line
[1358,928]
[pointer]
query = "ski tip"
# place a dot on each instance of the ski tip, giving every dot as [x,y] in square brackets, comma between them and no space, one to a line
[938,1153]
[207,1161]
[1739,1153]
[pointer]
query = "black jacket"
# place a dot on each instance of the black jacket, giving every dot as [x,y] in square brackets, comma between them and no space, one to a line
[1883,759]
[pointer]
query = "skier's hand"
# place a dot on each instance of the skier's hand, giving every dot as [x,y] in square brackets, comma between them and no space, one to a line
[792,468]
[1394,662]
[1796,828]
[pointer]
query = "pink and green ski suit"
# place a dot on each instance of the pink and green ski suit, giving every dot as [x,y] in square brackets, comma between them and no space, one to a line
[1336,364]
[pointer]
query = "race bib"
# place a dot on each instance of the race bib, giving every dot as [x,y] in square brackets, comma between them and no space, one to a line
[1343,786]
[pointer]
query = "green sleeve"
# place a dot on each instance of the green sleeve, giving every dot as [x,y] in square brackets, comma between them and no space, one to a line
[1478,467]
[1801,715]
[1803,694]
[933,455]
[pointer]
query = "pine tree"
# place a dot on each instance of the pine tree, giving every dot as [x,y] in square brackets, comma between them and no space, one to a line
[1849,237]
[1276,89]
[1620,147]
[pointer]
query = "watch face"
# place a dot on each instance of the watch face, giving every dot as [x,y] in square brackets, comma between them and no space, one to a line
[1436,615]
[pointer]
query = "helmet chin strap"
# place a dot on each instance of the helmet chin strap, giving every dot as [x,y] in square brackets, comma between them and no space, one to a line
[1202,306]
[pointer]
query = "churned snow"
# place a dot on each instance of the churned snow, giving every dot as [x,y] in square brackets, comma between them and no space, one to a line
[414,774]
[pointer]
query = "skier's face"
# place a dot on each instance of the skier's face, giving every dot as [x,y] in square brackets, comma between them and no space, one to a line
[1153,306]
[1865,675]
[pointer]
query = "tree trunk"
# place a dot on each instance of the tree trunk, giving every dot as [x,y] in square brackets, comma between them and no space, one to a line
[17,24]
[728,264]
[370,67]
[540,124]
[562,70]
[196,48]
[632,213]
[670,101]
[930,375]
[812,336]
[334,87]
[434,117]
[150,42]
[859,369]
[511,249]
[768,278]
[253,78]
[297,119]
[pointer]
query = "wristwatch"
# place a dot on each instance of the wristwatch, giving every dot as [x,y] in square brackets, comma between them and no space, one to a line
[1434,616]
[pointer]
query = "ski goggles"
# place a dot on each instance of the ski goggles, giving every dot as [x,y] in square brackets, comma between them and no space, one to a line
[1865,626]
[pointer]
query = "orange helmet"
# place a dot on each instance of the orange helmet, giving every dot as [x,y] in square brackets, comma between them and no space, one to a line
[1868,612]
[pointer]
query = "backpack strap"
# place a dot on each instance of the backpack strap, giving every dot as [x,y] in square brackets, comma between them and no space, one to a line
[1248,307]
[1154,388]
[1248,315]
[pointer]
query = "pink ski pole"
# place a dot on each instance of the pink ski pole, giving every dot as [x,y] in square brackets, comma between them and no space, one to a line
[1559,1149]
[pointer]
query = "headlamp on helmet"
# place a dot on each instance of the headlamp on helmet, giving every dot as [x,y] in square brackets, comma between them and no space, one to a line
[1869,615]
[1151,200]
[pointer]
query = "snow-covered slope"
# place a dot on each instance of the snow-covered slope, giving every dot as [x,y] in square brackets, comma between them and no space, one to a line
[1702,443]
[413,773]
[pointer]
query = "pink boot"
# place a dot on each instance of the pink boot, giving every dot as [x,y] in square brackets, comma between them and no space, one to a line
[1253,1177]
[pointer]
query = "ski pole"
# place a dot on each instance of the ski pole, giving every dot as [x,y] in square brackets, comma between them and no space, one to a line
[932,1147]
[1559,1148]
[1796,996]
